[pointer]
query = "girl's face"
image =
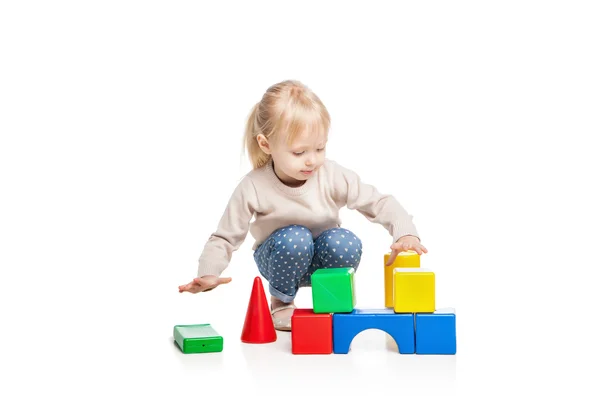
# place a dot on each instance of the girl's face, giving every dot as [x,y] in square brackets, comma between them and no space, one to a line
[297,161]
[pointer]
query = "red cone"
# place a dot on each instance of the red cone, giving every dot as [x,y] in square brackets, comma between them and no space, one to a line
[258,327]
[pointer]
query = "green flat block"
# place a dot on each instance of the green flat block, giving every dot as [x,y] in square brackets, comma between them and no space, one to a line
[333,290]
[200,338]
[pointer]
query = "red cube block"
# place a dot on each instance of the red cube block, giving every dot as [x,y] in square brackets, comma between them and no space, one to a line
[311,333]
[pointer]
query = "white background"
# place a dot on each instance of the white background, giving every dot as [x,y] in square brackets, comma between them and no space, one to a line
[121,126]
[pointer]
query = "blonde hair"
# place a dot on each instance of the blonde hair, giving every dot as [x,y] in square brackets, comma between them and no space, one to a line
[286,108]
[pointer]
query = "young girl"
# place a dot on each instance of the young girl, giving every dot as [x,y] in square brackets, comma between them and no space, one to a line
[294,194]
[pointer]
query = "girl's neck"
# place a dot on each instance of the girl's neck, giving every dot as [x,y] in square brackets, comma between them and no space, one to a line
[287,188]
[293,183]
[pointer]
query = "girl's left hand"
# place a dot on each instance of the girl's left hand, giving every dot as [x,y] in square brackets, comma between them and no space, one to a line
[406,243]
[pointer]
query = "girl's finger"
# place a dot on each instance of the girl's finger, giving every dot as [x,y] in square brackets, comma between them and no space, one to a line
[184,288]
[392,256]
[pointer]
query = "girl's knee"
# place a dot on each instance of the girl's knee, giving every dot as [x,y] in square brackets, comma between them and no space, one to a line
[295,239]
[339,248]
[339,236]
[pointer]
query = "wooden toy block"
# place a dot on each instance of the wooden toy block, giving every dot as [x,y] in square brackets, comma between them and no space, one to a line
[414,290]
[312,333]
[333,290]
[399,326]
[436,333]
[199,338]
[404,259]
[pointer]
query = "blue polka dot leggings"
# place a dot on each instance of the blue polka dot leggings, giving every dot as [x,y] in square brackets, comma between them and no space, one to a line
[288,257]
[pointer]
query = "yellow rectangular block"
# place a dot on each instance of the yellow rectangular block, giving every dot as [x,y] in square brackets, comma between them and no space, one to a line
[414,290]
[405,259]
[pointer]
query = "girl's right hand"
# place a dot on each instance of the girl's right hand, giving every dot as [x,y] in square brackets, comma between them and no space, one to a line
[203,284]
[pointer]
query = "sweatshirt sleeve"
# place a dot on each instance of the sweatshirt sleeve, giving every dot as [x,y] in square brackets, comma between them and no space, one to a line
[231,230]
[379,208]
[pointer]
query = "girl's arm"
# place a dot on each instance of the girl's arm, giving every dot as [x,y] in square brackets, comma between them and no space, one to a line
[231,230]
[379,208]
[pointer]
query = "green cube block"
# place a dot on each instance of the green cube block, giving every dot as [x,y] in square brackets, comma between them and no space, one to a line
[200,338]
[333,290]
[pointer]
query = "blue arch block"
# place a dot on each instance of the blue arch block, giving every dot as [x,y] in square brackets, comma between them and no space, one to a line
[401,327]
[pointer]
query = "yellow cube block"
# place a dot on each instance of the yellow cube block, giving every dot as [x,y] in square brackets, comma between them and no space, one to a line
[405,259]
[414,290]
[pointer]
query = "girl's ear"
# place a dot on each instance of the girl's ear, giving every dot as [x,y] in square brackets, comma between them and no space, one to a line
[263,143]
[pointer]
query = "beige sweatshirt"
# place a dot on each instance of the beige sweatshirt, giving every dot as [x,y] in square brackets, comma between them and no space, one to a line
[316,204]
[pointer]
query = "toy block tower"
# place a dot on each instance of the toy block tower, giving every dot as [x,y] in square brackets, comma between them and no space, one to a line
[410,316]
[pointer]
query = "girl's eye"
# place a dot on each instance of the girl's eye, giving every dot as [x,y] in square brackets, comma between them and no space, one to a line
[321,149]
[299,154]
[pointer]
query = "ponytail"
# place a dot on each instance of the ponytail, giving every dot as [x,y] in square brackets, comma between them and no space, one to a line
[257,157]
